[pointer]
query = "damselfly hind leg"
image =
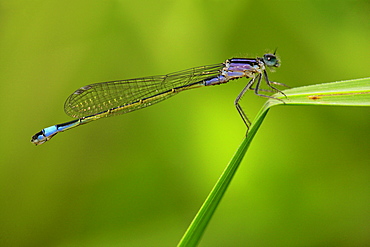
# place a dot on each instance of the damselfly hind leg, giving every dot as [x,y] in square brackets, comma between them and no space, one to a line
[257,90]
[237,105]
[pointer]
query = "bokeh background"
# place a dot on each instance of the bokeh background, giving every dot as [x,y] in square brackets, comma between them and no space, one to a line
[139,179]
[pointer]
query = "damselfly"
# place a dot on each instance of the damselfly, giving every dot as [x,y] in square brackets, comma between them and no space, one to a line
[112,98]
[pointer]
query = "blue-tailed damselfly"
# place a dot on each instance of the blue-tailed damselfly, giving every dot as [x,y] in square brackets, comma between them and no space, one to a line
[112,98]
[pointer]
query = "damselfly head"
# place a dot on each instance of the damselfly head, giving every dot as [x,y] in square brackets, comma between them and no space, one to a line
[271,60]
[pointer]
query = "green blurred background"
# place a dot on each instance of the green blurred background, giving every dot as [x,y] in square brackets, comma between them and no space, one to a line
[139,179]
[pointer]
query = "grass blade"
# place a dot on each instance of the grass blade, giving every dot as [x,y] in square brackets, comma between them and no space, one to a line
[348,93]
[344,93]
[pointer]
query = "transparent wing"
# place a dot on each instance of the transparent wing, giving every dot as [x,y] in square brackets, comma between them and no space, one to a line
[100,97]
